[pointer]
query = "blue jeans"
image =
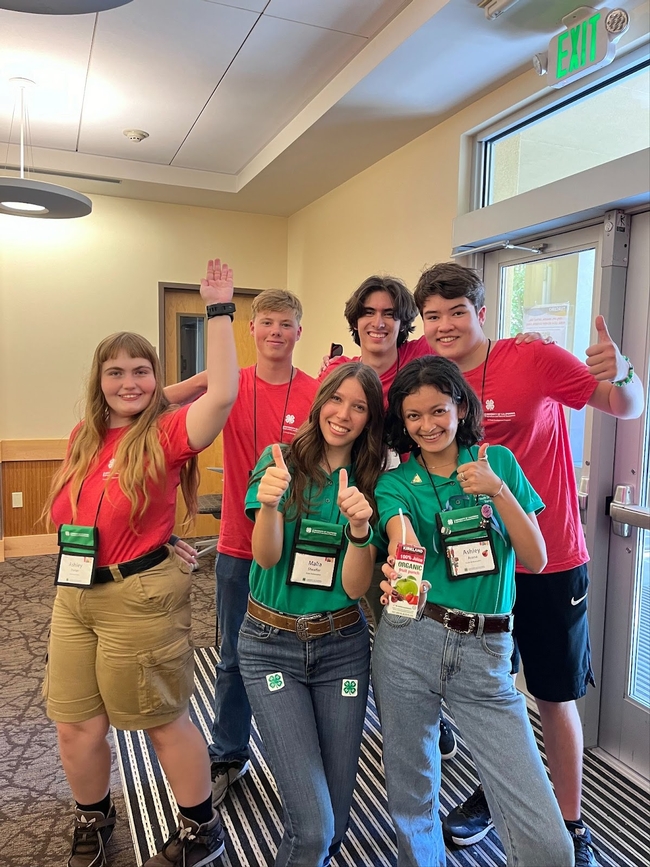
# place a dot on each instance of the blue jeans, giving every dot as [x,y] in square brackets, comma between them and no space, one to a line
[415,665]
[231,729]
[309,700]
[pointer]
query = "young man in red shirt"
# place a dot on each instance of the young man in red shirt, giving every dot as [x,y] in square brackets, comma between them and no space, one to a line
[274,399]
[523,389]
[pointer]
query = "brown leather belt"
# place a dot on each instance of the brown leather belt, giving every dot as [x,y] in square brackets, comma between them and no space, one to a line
[308,625]
[468,624]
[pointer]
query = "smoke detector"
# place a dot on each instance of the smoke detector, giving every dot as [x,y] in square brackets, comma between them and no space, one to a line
[136,134]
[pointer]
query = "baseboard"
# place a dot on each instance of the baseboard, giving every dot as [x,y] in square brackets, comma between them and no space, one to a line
[30,546]
[2,550]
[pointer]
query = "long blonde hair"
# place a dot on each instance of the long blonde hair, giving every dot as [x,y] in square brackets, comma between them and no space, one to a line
[139,457]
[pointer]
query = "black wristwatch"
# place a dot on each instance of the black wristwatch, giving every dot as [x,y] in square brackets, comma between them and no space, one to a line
[221,310]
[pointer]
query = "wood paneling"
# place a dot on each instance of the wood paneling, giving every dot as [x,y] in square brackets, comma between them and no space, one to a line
[33,450]
[33,478]
[176,303]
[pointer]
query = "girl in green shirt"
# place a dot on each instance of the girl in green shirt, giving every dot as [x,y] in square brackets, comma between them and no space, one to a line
[304,649]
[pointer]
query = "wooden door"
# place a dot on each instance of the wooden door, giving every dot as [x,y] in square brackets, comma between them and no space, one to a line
[179,302]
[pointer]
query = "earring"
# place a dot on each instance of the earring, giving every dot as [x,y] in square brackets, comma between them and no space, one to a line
[461,422]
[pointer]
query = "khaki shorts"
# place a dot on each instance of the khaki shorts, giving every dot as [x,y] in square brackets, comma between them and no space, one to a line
[123,648]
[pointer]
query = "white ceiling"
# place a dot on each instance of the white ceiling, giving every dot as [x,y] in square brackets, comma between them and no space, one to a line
[256,105]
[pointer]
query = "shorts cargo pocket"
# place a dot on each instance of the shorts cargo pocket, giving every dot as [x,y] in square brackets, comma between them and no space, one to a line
[45,688]
[166,677]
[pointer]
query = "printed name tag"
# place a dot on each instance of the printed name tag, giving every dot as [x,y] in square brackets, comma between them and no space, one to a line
[467,541]
[77,555]
[315,554]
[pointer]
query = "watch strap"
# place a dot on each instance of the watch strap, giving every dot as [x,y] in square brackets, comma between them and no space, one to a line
[227,309]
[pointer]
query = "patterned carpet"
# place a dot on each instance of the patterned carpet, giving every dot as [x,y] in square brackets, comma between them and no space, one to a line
[35,803]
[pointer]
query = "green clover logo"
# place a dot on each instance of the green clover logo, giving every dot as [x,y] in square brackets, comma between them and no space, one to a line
[350,687]
[274,681]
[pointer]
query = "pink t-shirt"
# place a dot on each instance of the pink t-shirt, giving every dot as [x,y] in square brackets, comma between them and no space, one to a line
[525,389]
[263,414]
[406,352]
[117,541]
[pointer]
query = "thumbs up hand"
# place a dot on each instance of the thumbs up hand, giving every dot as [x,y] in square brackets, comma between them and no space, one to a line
[604,359]
[478,477]
[275,480]
[354,507]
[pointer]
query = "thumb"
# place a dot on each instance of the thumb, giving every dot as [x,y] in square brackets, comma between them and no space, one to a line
[482,451]
[602,331]
[277,457]
[343,480]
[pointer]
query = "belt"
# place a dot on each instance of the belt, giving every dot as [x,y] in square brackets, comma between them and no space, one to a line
[307,625]
[103,574]
[461,621]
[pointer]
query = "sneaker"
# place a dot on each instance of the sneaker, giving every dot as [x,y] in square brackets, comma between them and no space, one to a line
[223,776]
[448,742]
[469,822]
[191,845]
[92,831]
[583,845]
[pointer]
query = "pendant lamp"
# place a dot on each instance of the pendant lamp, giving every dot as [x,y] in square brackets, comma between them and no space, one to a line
[24,197]
[61,7]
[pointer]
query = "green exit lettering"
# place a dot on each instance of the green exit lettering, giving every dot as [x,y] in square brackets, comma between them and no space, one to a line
[583,42]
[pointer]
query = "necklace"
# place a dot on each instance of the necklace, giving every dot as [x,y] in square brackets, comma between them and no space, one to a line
[428,468]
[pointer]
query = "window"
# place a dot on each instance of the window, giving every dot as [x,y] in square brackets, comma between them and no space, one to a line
[609,121]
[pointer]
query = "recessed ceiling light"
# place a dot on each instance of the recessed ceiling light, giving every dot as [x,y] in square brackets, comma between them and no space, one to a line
[61,7]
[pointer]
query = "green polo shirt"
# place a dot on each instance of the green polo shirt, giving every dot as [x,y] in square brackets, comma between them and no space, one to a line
[420,496]
[269,586]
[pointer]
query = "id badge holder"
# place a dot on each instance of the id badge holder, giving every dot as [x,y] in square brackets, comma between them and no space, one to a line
[315,554]
[77,556]
[467,541]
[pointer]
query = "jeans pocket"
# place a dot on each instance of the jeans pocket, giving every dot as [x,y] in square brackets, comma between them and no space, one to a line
[395,621]
[255,629]
[498,644]
[166,677]
[354,629]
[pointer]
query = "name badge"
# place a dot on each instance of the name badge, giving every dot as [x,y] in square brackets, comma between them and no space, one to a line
[467,542]
[77,556]
[315,554]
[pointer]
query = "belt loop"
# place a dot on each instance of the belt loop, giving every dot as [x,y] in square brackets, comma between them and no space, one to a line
[481,625]
[115,572]
[330,617]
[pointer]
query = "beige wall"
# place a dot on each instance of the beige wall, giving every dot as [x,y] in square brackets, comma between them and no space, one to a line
[65,284]
[395,217]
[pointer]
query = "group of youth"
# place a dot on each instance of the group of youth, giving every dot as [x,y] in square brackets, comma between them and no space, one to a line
[295,643]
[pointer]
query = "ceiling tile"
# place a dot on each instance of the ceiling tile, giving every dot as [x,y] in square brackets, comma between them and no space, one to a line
[278,71]
[153,68]
[53,51]
[362,17]
[251,5]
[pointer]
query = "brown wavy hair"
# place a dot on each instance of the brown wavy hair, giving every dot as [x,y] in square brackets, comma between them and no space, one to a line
[304,455]
[139,457]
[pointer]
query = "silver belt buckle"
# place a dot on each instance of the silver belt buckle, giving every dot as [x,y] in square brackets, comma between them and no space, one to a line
[302,625]
[446,617]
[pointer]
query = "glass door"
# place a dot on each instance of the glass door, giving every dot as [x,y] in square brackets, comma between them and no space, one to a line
[625,707]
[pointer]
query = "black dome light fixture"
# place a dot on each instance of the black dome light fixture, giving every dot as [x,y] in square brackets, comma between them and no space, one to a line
[61,7]
[24,197]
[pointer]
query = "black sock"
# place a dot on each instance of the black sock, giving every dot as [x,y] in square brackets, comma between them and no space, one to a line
[102,806]
[200,813]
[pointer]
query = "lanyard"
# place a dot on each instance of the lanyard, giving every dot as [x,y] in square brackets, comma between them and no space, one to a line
[485,364]
[284,412]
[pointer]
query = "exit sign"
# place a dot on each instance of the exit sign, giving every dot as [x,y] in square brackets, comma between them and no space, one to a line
[588,43]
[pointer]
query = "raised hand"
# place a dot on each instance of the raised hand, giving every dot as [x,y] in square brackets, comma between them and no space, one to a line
[353,506]
[604,359]
[217,285]
[275,480]
[478,477]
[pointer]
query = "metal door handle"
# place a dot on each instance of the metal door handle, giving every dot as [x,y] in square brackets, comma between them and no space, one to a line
[624,515]
[583,498]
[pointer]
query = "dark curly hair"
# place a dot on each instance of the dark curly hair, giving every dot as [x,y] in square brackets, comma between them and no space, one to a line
[404,308]
[450,280]
[447,378]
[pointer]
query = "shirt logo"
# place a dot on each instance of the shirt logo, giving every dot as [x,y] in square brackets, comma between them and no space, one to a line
[289,419]
[489,404]
[416,480]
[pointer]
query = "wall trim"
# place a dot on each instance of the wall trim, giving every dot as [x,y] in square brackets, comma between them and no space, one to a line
[2,550]
[30,546]
[33,450]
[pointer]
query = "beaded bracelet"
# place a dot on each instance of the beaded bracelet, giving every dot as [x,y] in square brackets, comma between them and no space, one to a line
[619,383]
[358,543]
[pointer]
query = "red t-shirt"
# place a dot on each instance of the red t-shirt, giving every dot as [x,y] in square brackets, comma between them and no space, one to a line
[525,389]
[254,423]
[117,541]
[406,352]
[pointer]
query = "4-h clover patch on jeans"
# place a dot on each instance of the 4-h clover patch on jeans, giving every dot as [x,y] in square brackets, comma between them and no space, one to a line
[300,694]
